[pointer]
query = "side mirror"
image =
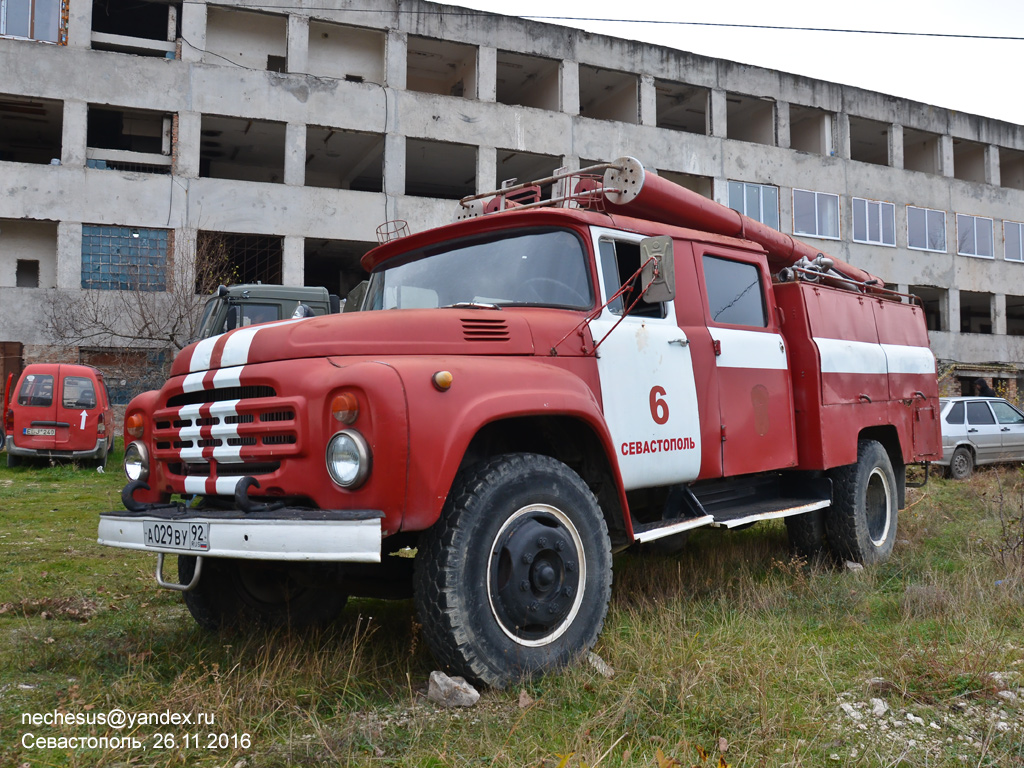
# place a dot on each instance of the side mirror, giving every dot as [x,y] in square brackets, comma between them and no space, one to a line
[658,278]
[234,316]
[354,300]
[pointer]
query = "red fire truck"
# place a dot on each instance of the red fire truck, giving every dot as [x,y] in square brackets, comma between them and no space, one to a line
[590,361]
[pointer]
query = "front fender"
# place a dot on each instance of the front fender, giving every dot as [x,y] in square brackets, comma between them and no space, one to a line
[483,391]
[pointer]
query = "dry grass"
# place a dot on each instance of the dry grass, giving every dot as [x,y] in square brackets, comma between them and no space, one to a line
[728,644]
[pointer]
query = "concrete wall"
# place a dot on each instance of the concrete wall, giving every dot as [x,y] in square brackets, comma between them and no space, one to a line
[339,47]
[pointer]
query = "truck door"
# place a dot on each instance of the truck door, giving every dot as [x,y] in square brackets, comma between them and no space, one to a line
[755,392]
[646,371]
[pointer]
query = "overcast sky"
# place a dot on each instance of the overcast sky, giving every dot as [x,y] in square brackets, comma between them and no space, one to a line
[976,76]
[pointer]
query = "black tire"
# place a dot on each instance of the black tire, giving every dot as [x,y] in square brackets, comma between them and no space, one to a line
[861,523]
[240,592]
[961,464]
[515,577]
[807,535]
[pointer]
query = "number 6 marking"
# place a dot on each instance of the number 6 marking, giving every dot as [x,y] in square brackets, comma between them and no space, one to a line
[659,408]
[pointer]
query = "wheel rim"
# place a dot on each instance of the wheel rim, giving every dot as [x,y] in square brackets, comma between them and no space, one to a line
[878,506]
[960,463]
[267,586]
[535,575]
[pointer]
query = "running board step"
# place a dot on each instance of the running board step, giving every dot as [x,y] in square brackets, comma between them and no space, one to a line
[662,528]
[766,510]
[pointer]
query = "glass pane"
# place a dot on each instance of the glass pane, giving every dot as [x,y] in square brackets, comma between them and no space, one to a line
[917,237]
[78,392]
[754,202]
[47,21]
[36,389]
[1007,414]
[1011,232]
[734,292]
[979,413]
[956,414]
[937,230]
[804,216]
[736,196]
[983,233]
[828,215]
[770,203]
[17,17]
[874,222]
[965,234]
[888,223]
[610,274]
[860,230]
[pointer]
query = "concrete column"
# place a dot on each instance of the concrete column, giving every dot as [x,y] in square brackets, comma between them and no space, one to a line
[394,164]
[648,101]
[293,260]
[295,155]
[487,169]
[298,43]
[570,82]
[946,155]
[79,25]
[69,255]
[487,73]
[950,311]
[992,168]
[718,109]
[193,31]
[72,140]
[843,139]
[187,142]
[896,146]
[998,313]
[396,64]
[783,131]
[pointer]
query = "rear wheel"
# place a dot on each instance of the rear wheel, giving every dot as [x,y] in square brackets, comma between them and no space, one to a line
[961,465]
[861,524]
[515,577]
[234,592]
[807,536]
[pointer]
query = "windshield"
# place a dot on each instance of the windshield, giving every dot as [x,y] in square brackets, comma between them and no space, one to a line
[540,268]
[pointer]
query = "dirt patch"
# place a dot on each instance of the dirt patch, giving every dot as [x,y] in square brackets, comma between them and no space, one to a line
[71,608]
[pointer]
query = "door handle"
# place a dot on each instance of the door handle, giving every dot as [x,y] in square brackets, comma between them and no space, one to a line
[972,429]
[681,342]
[1005,429]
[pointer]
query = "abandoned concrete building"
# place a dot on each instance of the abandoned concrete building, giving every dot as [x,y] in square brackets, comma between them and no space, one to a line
[133,132]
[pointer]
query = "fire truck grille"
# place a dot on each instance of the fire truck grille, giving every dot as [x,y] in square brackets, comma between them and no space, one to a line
[218,395]
[478,329]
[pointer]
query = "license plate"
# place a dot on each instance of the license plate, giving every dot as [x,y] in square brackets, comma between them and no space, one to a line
[190,537]
[40,432]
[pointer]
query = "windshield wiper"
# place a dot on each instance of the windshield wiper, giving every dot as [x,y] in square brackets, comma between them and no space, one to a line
[471,305]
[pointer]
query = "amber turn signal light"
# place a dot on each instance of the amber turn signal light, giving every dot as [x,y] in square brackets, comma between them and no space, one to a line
[134,424]
[442,380]
[345,407]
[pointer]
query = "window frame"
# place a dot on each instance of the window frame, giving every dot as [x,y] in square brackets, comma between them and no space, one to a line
[974,228]
[926,211]
[1019,226]
[881,205]
[32,7]
[817,219]
[744,187]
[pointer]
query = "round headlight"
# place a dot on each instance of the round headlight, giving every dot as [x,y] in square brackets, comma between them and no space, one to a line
[136,462]
[348,459]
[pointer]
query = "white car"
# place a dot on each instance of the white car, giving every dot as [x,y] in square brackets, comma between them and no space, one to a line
[979,430]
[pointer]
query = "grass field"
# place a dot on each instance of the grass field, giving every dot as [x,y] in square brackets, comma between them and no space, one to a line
[729,653]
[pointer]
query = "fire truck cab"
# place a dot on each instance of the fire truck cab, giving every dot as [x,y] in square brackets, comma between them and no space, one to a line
[580,364]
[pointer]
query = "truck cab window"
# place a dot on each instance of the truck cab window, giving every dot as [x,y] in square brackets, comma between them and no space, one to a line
[620,266]
[735,294]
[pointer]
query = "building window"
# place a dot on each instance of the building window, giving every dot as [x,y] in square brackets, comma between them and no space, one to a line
[758,201]
[26,273]
[974,236]
[124,258]
[816,214]
[34,19]
[874,222]
[1013,241]
[926,229]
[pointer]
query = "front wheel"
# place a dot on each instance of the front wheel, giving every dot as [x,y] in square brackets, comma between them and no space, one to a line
[861,524]
[515,577]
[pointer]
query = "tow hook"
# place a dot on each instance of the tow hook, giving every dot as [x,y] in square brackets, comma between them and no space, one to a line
[172,584]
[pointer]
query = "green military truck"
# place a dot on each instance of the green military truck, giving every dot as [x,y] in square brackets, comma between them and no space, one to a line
[237,306]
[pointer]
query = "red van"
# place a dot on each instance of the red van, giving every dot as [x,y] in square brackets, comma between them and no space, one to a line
[59,411]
